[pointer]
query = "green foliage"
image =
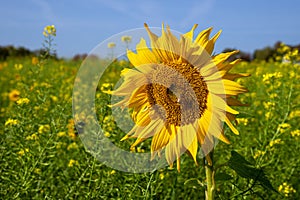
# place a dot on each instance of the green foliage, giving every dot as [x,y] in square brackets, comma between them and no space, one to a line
[41,155]
[247,170]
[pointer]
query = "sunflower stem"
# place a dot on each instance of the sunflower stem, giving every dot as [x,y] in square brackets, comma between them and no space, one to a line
[209,171]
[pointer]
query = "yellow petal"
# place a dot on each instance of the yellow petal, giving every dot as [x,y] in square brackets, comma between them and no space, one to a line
[222,57]
[203,37]
[190,34]
[233,129]
[209,46]
[160,140]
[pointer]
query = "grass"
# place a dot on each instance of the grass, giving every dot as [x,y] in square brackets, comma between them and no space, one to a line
[43,157]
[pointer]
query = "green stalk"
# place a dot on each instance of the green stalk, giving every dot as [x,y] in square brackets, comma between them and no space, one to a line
[209,171]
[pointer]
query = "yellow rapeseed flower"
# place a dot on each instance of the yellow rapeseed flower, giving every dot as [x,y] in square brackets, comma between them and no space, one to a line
[294,113]
[295,133]
[161,176]
[44,128]
[10,121]
[107,134]
[23,151]
[111,45]
[54,98]
[283,127]
[242,121]
[269,77]
[49,31]
[177,93]
[14,95]
[34,136]
[258,153]
[126,38]
[18,66]
[72,163]
[268,115]
[286,189]
[61,134]
[268,105]
[73,145]
[276,141]
[23,101]
[106,87]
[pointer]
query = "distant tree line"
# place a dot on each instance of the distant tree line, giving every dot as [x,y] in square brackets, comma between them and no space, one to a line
[17,52]
[266,53]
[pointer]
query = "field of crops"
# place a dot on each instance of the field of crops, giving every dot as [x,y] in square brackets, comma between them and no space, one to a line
[42,155]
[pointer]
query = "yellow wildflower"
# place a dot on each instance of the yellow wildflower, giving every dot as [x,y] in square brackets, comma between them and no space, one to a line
[23,151]
[112,172]
[267,78]
[258,153]
[23,101]
[107,134]
[295,133]
[54,98]
[140,150]
[73,162]
[72,146]
[126,38]
[61,134]
[44,128]
[111,45]
[34,136]
[273,95]
[268,105]
[10,121]
[294,113]
[106,87]
[49,31]
[161,176]
[18,66]
[273,142]
[268,115]
[283,127]
[286,189]
[242,121]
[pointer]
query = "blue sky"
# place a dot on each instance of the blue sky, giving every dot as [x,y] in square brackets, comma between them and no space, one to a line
[81,25]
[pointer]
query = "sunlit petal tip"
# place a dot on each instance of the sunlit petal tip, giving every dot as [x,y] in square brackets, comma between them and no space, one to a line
[216,36]
[178,164]
[125,137]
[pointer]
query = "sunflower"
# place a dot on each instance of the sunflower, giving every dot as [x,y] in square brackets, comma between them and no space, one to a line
[179,93]
[14,95]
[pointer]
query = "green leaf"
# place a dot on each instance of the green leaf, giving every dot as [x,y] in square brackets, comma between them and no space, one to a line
[222,177]
[247,170]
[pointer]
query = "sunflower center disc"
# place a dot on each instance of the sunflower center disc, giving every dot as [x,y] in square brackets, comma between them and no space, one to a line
[181,98]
